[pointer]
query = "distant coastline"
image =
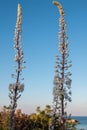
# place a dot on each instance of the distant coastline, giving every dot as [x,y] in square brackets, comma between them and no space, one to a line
[82,122]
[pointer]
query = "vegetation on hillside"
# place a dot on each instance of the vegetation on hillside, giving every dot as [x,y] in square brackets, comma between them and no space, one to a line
[35,121]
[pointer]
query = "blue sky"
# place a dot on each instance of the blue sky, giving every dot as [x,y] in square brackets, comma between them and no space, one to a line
[40,28]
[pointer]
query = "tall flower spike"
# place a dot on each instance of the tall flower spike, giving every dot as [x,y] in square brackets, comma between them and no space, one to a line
[59,7]
[17,87]
[62,80]
[19,17]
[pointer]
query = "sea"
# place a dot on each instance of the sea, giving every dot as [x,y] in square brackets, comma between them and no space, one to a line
[82,125]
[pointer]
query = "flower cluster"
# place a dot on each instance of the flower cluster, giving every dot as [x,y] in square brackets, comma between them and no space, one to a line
[20,87]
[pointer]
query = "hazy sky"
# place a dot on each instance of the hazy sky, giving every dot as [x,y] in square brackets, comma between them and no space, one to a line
[40,44]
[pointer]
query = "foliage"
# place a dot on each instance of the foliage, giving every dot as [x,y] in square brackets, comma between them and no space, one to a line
[4,116]
[35,121]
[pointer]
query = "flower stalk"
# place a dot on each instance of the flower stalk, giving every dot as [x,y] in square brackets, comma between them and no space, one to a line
[62,80]
[17,87]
